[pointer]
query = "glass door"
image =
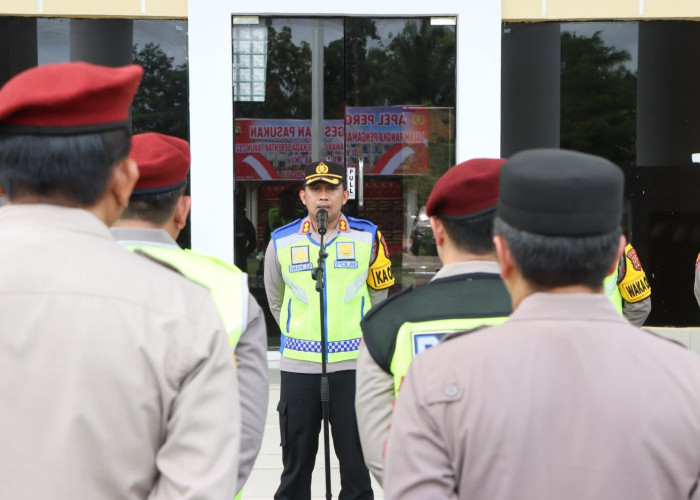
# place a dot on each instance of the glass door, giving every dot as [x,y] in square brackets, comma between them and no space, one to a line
[375,94]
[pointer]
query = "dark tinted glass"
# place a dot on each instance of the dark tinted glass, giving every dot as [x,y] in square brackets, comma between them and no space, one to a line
[626,91]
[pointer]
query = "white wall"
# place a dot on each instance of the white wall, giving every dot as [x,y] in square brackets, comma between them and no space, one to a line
[211,129]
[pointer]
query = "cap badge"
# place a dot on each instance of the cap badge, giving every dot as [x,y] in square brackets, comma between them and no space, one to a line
[321,168]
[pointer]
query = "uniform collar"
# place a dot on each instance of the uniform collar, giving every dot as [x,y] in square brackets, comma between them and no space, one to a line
[141,235]
[50,217]
[468,267]
[567,306]
[308,228]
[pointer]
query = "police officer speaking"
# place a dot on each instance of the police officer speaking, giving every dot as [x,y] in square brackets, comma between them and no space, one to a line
[357,275]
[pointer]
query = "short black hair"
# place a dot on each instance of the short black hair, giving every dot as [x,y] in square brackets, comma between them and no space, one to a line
[473,235]
[554,261]
[73,168]
[154,208]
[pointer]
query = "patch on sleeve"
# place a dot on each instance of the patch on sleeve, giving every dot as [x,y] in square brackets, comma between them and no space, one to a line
[632,256]
[634,285]
[380,275]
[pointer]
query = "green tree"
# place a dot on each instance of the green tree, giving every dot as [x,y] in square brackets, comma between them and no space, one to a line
[598,98]
[420,66]
[161,103]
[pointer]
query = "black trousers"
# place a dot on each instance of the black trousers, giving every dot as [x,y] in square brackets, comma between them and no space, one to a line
[301,417]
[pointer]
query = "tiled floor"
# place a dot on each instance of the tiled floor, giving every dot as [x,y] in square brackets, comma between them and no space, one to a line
[264,479]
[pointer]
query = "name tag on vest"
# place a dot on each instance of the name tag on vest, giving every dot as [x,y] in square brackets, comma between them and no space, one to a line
[295,268]
[346,264]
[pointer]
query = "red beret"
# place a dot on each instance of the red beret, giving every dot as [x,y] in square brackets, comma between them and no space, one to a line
[68,98]
[466,190]
[163,162]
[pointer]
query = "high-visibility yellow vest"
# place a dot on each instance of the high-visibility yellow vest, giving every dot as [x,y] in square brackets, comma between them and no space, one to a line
[629,281]
[345,297]
[406,324]
[611,290]
[227,284]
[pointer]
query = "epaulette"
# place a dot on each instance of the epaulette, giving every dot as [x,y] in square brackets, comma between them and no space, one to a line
[150,257]
[361,224]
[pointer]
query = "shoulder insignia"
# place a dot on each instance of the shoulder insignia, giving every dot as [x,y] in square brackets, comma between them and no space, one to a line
[342,225]
[634,259]
[306,227]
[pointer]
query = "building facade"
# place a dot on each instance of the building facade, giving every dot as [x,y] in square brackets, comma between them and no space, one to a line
[399,94]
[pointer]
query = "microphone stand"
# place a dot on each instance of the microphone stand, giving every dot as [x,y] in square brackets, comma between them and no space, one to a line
[317,274]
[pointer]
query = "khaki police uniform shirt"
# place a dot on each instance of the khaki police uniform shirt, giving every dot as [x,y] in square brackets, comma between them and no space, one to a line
[250,352]
[566,399]
[274,289]
[117,379]
[374,393]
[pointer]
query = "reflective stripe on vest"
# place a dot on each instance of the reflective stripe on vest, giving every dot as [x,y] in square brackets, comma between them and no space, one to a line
[227,284]
[345,294]
[414,338]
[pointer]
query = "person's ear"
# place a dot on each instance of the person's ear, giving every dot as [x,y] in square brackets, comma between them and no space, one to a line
[182,209]
[124,176]
[302,196]
[438,228]
[505,258]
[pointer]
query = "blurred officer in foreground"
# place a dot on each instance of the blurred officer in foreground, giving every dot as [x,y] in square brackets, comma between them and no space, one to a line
[566,399]
[629,289]
[117,379]
[467,292]
[156,213]
[357,275]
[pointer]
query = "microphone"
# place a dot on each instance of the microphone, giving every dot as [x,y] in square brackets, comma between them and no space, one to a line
[322,220]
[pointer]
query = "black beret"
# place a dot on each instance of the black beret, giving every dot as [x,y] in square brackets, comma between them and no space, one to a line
[556,192]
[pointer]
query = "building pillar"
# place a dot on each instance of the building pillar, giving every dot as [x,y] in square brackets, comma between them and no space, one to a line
[530,87]
[108,42]
[18,46]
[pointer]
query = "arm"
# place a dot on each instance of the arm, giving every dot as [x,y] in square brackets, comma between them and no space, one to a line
[637,312]
[417,465]
[380,275]
[274,283]
[374,399]
[633,287]
[251,357]
[201,438]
